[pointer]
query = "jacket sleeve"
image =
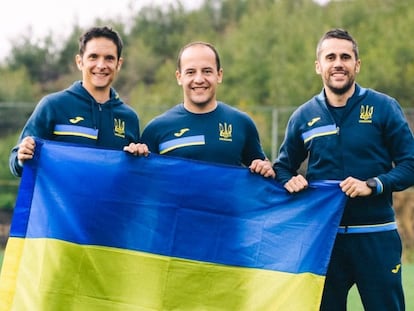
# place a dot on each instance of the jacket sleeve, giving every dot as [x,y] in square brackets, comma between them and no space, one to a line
[40,125]
[14,165]
[292,152]
[400,142]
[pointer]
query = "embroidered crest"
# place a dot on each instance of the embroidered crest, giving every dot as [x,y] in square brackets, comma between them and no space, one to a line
[225,131]
[119,128]
[366,113]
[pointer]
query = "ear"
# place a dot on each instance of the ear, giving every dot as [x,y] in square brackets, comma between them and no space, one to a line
[358,66]
[317,67]
[120,62]
[178,77]
[220,75]
[78,61]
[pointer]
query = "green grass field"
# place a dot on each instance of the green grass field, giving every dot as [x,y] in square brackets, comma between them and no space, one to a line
[354,302]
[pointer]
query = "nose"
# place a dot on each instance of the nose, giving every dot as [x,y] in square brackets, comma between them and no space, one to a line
[198,77]
[100,63]
[338,62]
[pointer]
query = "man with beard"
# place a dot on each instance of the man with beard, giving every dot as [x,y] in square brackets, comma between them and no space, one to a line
[361,138]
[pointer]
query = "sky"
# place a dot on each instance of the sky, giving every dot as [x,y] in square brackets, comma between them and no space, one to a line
[58,17]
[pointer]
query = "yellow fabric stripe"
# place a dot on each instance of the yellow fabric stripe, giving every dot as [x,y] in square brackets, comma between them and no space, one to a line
[75,134]
[9,271]
[54,274]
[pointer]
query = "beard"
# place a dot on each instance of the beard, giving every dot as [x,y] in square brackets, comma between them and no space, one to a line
[343,89]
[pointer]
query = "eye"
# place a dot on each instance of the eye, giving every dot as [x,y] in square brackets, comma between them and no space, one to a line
[110,58]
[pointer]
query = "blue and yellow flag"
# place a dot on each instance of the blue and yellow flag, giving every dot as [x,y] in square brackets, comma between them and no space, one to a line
[99,230]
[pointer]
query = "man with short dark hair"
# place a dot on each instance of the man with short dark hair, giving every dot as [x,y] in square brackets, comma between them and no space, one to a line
[90,111]
[360,137]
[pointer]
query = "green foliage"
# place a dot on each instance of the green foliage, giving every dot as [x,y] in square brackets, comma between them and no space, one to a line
[16,86]
[8,183]
[278,63]
[6,145]
[267,49]
[38,57]
[165,92]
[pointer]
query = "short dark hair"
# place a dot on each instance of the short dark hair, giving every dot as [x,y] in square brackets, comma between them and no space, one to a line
[98,32]
[338,33]
[218,63]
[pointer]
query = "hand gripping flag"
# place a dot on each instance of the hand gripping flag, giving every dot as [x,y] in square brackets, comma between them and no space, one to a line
[99,230]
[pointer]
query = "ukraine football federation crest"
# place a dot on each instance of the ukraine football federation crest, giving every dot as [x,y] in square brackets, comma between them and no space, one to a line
[119,128]
[366,113]
[225,131]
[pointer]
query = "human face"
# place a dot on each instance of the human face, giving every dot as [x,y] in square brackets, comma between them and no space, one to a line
[199,78]
[99,65]
[337,66]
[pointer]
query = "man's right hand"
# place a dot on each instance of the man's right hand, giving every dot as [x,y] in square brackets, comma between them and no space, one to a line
[296,183]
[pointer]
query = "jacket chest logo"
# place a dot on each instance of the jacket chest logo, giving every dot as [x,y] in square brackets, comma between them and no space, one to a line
[366,113]
[76,120]
[225,131]
[119,128]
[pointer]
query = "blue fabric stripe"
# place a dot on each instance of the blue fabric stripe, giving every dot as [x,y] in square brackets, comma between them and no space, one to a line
[368,228]
[75,130]
[319,131]
[179,208]
[180,142]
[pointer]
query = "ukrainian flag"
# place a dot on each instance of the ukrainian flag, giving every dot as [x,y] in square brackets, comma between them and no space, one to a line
[99,230]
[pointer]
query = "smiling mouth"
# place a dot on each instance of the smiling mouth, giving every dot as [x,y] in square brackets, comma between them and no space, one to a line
[339,76]
[199,90]
[339,73]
